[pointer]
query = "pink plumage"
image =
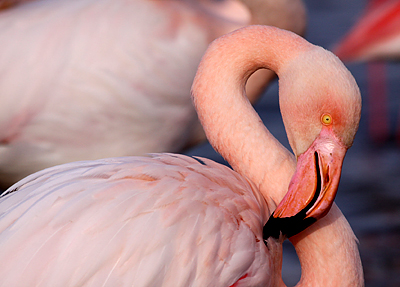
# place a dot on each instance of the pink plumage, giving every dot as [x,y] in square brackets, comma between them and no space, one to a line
[89,79]
[116,221]
[172,220]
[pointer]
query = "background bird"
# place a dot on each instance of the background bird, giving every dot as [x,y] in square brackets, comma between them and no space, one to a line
[376,35]
[374,38]
[98,78]
[166,219]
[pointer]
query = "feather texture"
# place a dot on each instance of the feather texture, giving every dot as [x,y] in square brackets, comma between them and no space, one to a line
[89,218]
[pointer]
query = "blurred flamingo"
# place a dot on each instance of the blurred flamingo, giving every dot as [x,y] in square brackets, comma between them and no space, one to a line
[375,37]
[97,78]
[173,220]
[376,34]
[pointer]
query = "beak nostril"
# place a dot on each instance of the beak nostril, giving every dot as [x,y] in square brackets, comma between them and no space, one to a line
[319,182]
[327,174]
[318,187]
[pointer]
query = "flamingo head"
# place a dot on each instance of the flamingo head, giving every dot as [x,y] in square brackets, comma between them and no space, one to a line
[321,106]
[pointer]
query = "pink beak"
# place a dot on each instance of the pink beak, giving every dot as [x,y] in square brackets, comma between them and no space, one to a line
[312,189]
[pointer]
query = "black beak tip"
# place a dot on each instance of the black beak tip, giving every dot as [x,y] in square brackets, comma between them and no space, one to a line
[271,228]
[288,227]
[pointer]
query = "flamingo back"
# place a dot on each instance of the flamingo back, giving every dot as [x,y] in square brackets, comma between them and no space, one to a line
[165,220]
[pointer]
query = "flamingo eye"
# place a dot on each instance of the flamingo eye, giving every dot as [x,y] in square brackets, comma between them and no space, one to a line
[326,119]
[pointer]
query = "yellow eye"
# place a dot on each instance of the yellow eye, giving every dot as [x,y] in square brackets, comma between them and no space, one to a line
[326,119]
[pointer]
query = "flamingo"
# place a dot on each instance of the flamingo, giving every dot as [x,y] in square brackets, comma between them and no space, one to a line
[174,220]
[90,79]
[376,35]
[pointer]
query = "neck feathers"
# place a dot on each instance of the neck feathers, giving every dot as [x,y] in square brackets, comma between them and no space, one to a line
[328,253]
[232,126]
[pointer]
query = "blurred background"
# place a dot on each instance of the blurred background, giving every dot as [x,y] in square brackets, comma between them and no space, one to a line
[369,192]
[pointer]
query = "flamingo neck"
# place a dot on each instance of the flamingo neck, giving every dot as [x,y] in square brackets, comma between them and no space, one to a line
[328,253]
[327,250]
[232,126]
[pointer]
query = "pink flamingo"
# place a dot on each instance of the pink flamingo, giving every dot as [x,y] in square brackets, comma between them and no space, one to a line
[376,36]
[173,220]
[98,78]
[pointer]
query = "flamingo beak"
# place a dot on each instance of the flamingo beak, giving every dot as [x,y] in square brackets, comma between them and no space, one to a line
[312,189]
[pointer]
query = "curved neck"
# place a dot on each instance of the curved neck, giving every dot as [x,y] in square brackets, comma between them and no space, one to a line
[327,250]
[328,253]
[232,126]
